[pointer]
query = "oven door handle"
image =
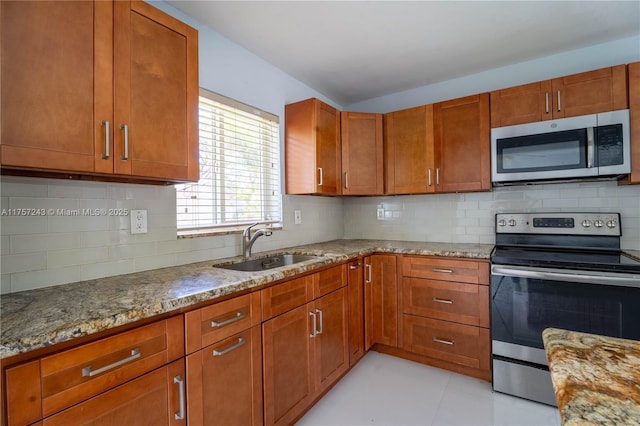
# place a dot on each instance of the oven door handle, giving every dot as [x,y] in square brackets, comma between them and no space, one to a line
[573,276]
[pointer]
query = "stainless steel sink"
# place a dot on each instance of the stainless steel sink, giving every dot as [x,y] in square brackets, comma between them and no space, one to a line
[266,263]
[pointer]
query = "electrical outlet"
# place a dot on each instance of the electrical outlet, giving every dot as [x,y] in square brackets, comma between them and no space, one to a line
[138,221]
[380,214]
[297,217]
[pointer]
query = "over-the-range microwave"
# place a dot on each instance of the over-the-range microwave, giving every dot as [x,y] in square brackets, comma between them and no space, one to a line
[589,146]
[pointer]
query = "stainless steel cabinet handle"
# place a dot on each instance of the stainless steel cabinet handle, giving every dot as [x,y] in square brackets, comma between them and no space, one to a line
[180,414]
[437,176]
[236,345]
[218,324]
[559,107]
[444,271]
[88,372]
[107,137]
[346,180]
[546,102]
[429,177]
[443,341]
[320,176]
[445,301]
[315,325]
[319,312]
[125,129]
[368,277]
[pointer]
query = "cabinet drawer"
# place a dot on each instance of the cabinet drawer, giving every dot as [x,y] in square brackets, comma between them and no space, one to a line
[446,300]
[466,271]
[456,343]
[329,280]
[213,323]
[153,399]
[286,296]
[80,373]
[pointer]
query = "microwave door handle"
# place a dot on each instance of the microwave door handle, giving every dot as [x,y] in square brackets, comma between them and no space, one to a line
[591,146]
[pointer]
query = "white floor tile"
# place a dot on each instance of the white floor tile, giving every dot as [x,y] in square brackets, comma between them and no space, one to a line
[385,390]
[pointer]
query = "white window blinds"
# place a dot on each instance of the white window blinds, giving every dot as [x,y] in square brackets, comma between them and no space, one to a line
[239,168]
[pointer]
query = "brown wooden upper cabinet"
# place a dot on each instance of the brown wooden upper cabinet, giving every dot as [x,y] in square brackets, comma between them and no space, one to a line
[462,144]
[578,94]
[634,117]
[409,158]
[105,88]
[362,154]
[312,148]
[442,147]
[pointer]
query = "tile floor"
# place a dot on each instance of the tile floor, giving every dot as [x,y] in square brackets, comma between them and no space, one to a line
[385,390]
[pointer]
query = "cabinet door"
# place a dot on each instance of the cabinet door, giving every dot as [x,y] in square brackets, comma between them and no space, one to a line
[331,341]
[634,110]
[224,382]
[590,92]
[381,303]
[526,103]
[462,144]
[356,311]
[156,94]
[312,148]
[288,361]
[362,154]
[158,392]
[409,158]
[56,86]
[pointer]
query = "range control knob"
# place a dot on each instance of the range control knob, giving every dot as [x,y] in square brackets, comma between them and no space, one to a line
[512,222]
[598,223]
[502,222]
[586,223]
[612,224]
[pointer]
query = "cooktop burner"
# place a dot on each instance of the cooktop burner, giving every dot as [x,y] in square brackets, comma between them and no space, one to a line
[565,259]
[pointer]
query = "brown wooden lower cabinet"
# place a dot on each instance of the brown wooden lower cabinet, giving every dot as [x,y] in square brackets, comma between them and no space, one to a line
[153,399]
[224,381]
[305,351]
[456,343]
[381,300]
[356,311]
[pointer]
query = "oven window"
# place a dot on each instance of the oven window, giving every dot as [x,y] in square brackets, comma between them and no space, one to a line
[548,151]
[523,307]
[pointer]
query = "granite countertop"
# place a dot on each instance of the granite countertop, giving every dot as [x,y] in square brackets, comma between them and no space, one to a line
[35,319]
[596,378]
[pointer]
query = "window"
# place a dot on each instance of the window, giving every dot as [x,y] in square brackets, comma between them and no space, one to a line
[239,169]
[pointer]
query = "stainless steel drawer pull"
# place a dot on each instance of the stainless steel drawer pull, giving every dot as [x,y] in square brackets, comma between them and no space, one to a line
[237,317]
[559,105]
[429,177]
[443,341]
[88,372]
[445,301]
[236,345]
[107,136]
[546,102]
[180,414]
[444,271]
[125,129]
[346,180]
[320,176]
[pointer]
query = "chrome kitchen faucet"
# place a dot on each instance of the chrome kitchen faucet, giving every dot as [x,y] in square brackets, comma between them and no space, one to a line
[248,239]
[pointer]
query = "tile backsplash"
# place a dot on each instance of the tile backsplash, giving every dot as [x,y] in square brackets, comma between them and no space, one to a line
[41,251]
[469,218]
[58,248]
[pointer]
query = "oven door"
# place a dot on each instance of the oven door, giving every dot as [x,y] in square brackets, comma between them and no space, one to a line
[526,300]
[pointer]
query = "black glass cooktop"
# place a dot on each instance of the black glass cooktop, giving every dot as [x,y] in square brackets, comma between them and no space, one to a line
[613,261]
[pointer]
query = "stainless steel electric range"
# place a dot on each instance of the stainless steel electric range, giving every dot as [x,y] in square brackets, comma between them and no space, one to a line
[563,270]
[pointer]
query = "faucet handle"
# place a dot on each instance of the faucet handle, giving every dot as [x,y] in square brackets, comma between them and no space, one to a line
[247,230]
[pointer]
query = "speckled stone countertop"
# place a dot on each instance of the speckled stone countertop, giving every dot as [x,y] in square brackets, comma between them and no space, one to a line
[596,378]
[35,319]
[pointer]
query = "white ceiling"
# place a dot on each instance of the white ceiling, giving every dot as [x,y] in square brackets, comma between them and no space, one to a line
[356,50]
